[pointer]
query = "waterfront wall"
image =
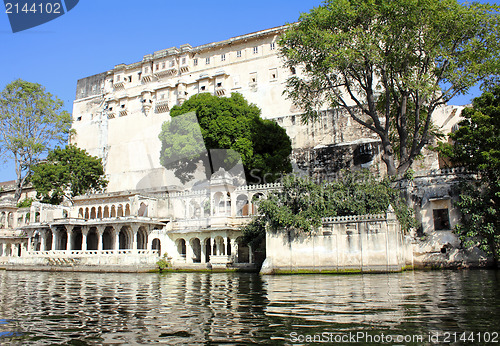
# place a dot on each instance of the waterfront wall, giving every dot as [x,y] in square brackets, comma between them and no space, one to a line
[89,260]
[363,243]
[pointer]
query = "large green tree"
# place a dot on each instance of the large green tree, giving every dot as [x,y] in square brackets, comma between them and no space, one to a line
[390,63]
[476,145]
[31,122]
[66,173]
[224,123]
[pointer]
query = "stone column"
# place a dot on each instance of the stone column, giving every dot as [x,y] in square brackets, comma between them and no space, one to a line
[135,229]
[13,250]
[117,240]
[203,250]
[43,234]
[54,236]
[234,250]
[28,246]
[233,204]
[68,239]
[189,251]
[100,231]
[4,249]
[224,244]
[85,232]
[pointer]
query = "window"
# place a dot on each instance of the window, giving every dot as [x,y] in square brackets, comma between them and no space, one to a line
[292,69]
[163,64]
[207,61]
[129,79]
[162,96]
[238,54]
[146,69]
[223,57]
[183,61]
[172,63]
[79,119]
[255,50]
[273,74]
[441,219]
[219,84]
[253,77]
[117,78]
[236,81]
[202,88]
[272,46]
[157,67]
[195,62]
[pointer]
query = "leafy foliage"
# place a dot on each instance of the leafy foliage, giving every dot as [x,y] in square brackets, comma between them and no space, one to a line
[411,55]
[477,146]
[26,203]
[302,203]
[225,123]
[31,121]
[67,172]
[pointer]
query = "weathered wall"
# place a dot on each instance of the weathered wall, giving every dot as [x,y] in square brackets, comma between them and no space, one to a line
[360,243]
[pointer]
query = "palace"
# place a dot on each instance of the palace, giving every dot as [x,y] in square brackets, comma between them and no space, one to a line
[147,212]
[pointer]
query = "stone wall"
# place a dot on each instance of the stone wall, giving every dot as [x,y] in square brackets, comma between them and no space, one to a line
[366,243]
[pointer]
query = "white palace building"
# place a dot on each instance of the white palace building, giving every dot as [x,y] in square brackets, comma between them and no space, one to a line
[146,212]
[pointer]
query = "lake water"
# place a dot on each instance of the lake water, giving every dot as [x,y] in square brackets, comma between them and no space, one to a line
[197,308]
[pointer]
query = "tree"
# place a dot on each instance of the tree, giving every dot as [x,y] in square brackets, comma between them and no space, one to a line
[31,121]
[390,63]
[477,146]
[301,203]
[224,123]
[67,173]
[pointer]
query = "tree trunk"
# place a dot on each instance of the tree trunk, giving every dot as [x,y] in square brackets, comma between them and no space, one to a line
[388,158]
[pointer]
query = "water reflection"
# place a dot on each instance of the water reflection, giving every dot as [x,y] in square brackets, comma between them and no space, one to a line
[195,308]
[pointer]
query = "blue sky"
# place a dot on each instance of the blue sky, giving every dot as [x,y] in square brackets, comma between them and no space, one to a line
[97,35]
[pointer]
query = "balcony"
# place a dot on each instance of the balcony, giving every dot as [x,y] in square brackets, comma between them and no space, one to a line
[184,69]
[161,107]
[220,91]
[119,85]
[172,71]
[146,78]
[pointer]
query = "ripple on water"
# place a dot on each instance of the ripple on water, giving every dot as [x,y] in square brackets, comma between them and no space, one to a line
[196,308]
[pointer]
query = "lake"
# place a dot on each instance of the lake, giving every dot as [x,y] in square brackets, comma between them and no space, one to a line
[421,307]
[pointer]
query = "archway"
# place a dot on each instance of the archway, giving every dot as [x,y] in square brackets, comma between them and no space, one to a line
[208,249]
[196,246]
[181,247]
[48,240]
[156,245]
[107,239]
[243,251]
[142,238]
[62,241]
[105,215]
[92,239]
[143,209]
[119,211]
[76,239]
[242,205]
[124,239]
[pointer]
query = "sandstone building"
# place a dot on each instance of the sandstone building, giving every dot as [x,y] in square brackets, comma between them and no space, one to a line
[146,211]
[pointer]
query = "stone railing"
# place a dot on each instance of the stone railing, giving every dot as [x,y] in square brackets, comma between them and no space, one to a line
[87,253]
[354,218]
